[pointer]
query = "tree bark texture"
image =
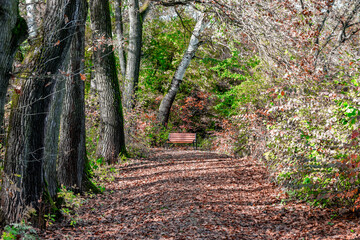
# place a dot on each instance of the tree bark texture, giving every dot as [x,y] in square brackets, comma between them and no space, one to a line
[52,128]
[72,148]
[119,28]
[13,31]
[166,103]
[136,19]
[31,17]
[23,183]
[111,140]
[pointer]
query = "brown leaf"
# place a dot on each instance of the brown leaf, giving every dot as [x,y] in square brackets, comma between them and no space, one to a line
[82,76]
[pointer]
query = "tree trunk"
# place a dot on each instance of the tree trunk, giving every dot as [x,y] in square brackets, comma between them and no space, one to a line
[31,17]
[23,183]
[52,128]
[111,139]
[136,19]
[120,35]
[13,31]
[72,148]
[166,103]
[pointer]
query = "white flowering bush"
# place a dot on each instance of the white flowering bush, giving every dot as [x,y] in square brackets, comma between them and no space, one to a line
[312,143]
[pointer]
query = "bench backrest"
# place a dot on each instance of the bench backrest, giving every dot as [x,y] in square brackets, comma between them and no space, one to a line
[182,137]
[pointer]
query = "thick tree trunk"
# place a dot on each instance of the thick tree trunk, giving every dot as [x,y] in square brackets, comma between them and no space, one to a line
[111,141]
[72,148]
[13,32]
[23,183]
[120,35]
[31,17]
[136,19]
[52,134]
[166,103]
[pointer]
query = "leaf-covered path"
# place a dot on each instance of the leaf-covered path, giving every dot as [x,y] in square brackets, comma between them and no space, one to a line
[198,195]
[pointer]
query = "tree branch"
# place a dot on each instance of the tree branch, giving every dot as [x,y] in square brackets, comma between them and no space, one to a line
[172,3]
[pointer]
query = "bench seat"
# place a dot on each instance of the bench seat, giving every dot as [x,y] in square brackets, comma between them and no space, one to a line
[182,138]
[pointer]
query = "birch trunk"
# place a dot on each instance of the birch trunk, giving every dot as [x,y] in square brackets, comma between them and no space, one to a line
[31,17]
[23,182]
[111,140]
[166,103]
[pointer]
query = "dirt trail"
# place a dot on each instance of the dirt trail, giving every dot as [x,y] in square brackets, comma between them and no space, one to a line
[198,195]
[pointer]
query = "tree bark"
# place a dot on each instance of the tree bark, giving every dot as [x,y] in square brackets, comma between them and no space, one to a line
[31,17]
[166,103]
[52,128]
[13,31]
[136,20]
[23,183]
[111,140]
[120,35]
[72,148]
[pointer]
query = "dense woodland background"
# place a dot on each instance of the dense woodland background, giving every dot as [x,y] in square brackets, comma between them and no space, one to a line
[83,84]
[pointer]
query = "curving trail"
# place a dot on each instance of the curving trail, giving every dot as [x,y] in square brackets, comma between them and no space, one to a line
[198,195]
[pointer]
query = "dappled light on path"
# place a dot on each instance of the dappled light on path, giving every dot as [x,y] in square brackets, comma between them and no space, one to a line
[198,195]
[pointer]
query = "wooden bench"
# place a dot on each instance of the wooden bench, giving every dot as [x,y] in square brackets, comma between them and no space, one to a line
[182,138]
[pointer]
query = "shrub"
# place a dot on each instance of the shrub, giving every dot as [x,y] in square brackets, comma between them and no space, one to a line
[19,231]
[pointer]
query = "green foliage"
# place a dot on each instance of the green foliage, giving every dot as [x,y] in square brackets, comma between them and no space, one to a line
[159,134]
[92,134]
[164,43]
[239,74]
[96,163]
[349,113]
[239,93]
[106,174]
[313,146]
[237,97]
[50,218]
[234,68]
[19,231]
[205,144]
[70,204]
[89,66]
[216,85]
